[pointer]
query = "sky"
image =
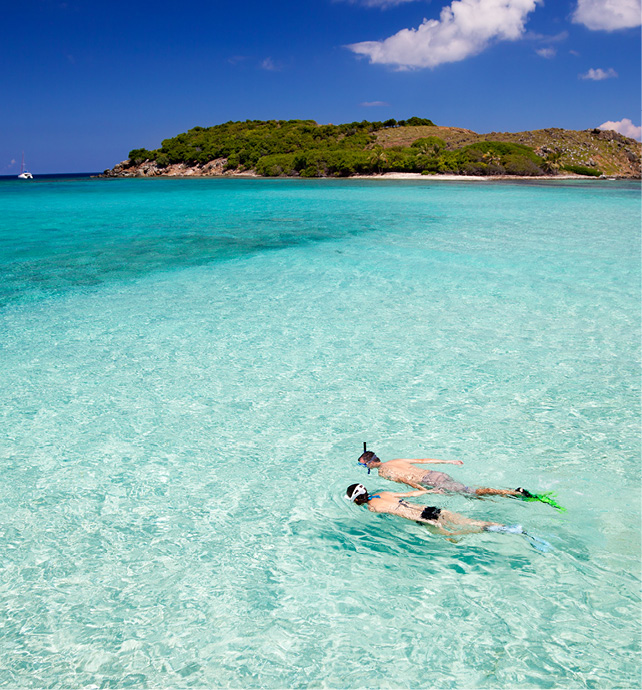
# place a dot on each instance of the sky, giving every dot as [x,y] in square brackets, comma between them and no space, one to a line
[82,82]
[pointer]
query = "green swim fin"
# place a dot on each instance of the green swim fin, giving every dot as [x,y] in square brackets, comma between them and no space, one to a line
[546,497]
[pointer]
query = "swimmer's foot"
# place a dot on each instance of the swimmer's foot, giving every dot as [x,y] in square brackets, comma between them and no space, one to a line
[524,493]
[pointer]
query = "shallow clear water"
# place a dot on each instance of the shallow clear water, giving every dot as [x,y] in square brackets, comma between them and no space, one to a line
[188,370]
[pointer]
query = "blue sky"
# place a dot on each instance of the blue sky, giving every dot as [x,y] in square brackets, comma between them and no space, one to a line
[85,81]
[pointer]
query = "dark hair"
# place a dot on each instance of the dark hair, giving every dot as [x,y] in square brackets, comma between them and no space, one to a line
[359,500]
[368,456]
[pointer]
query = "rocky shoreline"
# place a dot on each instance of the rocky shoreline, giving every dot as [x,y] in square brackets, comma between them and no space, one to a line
[182,170]
[215,168]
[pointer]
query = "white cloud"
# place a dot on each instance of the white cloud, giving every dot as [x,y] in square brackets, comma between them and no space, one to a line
[374,104]
[544,38]
[624,126]
[269,65]
[608,15]
[464,28]
[546,52]
[599,74]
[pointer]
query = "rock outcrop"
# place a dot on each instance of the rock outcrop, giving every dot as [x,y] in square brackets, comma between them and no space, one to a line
[214,168]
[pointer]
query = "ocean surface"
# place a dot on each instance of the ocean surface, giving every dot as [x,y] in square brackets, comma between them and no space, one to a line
[189,368]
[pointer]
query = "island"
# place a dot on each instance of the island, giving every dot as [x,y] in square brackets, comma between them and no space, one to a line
[303,148]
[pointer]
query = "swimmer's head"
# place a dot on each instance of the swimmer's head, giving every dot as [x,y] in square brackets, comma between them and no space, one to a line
[357,493]
[369,459]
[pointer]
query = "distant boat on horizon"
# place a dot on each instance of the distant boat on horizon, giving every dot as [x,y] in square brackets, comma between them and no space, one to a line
[24,174]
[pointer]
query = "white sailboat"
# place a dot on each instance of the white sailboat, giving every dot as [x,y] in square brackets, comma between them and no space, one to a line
[24,174]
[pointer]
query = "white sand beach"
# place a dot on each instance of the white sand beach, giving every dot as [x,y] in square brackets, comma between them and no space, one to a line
[459,178]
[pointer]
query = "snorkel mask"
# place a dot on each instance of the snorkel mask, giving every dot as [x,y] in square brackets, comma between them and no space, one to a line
[366,464]
[359,490]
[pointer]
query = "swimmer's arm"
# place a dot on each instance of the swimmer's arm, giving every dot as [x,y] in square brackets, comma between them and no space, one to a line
[420,492]
[430,461]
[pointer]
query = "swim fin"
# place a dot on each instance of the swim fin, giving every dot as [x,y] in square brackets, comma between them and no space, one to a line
[546,497]
[537,543]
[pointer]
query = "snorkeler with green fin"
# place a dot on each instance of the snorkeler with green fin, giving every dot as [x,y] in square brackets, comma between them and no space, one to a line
[405,471]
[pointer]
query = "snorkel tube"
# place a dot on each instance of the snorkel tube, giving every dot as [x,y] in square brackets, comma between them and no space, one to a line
[363,464]
[366,464]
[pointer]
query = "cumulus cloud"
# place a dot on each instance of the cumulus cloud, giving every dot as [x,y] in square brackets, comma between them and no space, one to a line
[464,28]
[599,74]
[374,104]
[624,126]
[608,15]
[547,53]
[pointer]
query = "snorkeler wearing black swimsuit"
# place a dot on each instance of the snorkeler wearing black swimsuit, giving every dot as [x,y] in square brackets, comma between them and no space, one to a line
[438,520]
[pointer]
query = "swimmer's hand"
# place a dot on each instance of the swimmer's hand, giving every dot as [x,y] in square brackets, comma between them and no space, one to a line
[456,462]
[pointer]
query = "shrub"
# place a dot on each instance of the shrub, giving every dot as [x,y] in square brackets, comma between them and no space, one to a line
[519,164]
[502,148]
[582,170]
[474,168]
[138,156]
[419,121]
[429,145]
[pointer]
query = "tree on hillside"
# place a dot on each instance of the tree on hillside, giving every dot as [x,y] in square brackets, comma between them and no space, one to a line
[492,158]
[552,162]
[429,146]
[378,156]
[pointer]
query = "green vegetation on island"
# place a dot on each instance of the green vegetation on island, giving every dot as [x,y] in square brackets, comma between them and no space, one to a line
[306,149]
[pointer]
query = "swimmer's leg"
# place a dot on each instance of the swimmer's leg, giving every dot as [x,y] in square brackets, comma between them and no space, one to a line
[505,529]
[453,487]
[453,524]
[485,491]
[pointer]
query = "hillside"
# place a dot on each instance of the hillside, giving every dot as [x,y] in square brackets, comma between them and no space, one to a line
[307,149]
[611,153]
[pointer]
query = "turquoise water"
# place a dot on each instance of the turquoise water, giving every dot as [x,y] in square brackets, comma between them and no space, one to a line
[188,369]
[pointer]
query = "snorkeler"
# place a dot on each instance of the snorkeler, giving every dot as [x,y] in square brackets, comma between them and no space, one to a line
[437,520]
[404,471]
